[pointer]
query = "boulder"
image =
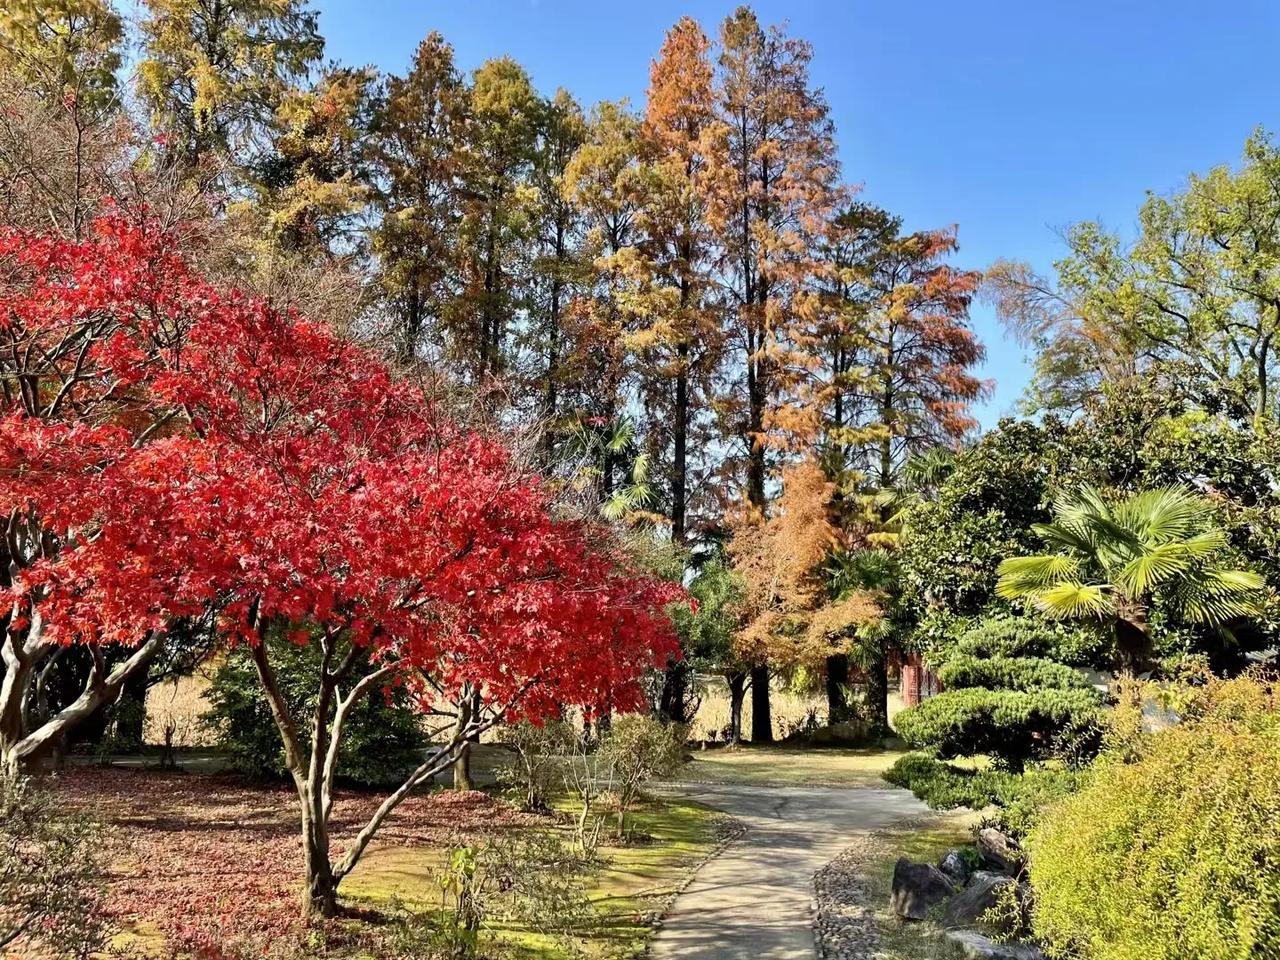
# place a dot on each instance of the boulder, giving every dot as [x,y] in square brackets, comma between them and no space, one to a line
[917,887]
[956,866]
[999,850]
[967,907]
[977,947]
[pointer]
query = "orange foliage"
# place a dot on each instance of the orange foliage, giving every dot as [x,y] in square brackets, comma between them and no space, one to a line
[789,618]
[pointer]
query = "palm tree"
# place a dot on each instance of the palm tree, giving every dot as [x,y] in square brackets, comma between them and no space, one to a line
[1113,560]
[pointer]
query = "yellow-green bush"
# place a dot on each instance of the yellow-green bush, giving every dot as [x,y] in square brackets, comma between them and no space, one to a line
[1174,855]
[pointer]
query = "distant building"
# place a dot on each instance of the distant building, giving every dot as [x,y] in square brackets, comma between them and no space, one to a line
[919,682]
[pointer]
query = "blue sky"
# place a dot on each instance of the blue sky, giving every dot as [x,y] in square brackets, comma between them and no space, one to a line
[1011,119]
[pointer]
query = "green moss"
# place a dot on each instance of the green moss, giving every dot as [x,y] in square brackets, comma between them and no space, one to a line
[636,884]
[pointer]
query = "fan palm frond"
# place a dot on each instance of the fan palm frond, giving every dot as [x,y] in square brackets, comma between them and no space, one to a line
[1069,599]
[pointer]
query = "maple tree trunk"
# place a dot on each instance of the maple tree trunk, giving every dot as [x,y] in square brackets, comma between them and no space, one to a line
[320,888]
[462,765]
[761,716]
[837,684]
[20,747]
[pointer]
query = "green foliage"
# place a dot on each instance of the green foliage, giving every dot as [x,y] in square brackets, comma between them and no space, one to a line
[530,879]
[1014,727]
[381,741]
[51,866]
[1017,797]
[1024,674]
[707,633]
[637,749]
[1009,636]
[1006,698]
[1174,854]
[982,512]
[1115,559]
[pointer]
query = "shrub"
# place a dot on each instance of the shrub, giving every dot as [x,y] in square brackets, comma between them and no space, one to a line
[1014,727]
[541,750]
[1175,855]
[1009,636]
[50,865]
[533,880]
[381,741]
[1018,797]
[637,749]
[1010,673]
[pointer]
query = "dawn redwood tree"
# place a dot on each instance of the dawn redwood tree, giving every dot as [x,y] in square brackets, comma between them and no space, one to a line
[769,208]
[212,454]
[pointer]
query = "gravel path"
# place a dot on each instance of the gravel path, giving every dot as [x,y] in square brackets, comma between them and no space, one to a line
[755,900]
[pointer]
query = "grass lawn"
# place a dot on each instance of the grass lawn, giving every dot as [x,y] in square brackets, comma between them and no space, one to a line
[789,766]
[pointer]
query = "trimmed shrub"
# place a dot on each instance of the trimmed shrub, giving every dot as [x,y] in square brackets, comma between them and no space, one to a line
[1014,727]
[1018,797]
[1175,855]
[381,741]
[1010,673]
[1010,636]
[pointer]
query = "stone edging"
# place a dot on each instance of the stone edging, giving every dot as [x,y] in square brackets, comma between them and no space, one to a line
[844,922]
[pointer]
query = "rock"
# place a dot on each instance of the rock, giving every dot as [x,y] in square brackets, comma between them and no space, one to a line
[977,947]
[999,850]
[955,866]
[967,907]
[917,887]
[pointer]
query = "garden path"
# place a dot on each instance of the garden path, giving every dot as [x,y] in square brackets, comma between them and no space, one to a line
[755,899]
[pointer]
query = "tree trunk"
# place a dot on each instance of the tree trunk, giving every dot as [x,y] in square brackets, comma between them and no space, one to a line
[18,747]
[679,458]
[320,886]
[761,716]
[675,691]
[837,688]
[1133,638]
[737,693]
[878,691]
[462,765]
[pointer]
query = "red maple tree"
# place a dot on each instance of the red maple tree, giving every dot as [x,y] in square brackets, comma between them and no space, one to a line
[172,451]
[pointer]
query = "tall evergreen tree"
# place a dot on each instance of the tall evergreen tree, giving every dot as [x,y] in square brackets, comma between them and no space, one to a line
[214,72]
